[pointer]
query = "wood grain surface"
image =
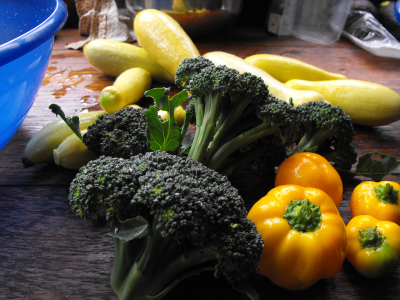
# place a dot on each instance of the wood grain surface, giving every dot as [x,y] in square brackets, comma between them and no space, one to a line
[46,252]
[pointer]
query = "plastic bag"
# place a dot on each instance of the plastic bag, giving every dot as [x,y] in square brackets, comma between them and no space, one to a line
[364,30]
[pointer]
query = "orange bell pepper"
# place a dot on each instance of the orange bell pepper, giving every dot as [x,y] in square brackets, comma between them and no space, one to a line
[311,170]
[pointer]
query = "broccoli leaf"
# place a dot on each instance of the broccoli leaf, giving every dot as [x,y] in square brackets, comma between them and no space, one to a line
[72,122]
[164,136]
[161,97]
[376,166]
[130,229]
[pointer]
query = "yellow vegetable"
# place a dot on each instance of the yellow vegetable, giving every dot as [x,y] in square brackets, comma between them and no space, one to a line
[276,88]
[39,149]
[113,58]
[284,68]
[373,246]
[128,88]
[134,105]
[311,170]
[72,153]
[163,39]
[304,236]
[367,103]
[179,115]
[377,199]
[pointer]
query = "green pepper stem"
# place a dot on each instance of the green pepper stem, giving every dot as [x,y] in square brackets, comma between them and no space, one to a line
[371,238]
[386,193]
[303,215]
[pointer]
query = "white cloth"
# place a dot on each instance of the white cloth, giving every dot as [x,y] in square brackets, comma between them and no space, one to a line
[100,19]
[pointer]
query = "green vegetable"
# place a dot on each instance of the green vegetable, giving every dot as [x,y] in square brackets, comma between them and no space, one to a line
[328,131]
[171,218]
[121,134]
[130,131]
[233,111]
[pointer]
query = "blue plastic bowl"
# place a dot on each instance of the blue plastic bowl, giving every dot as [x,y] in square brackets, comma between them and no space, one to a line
[27,29]
[397,11]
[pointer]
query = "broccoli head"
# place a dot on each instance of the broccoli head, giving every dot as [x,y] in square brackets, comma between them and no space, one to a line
[178,218]
[328,131]
[121,134]
[188,67]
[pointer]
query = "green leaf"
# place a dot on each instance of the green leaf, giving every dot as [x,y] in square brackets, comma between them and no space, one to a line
[72,122]
[376,166]
[130,229]
[161,97]
[178,99]
[164,135]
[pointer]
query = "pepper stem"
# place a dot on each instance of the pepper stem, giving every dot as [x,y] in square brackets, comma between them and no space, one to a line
[371,238]
[386,193]
[303,215]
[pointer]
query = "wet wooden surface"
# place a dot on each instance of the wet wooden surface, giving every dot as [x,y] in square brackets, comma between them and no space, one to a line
[46,252]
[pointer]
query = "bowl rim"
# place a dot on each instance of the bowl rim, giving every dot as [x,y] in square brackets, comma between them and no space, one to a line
[36,36]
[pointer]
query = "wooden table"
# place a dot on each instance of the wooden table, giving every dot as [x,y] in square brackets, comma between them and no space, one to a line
[46,252]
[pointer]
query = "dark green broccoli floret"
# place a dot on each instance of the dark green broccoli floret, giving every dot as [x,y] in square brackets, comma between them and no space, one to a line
[232,111]
[104,188]
[121,134]
[188,67]
[178,218]
[328,131]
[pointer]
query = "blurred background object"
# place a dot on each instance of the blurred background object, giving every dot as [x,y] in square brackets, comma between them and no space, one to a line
[383,11]
[372,26]
[270,14]
[279,17]
[387,18]
[319,21]
[197,17]
[397,11]
[101,19]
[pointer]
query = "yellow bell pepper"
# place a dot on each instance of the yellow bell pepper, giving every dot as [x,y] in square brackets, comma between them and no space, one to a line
[373,246]
[311,170]
[377,199]
[304,236]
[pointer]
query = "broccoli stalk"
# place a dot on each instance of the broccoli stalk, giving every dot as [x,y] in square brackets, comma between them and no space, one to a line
[138,275]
